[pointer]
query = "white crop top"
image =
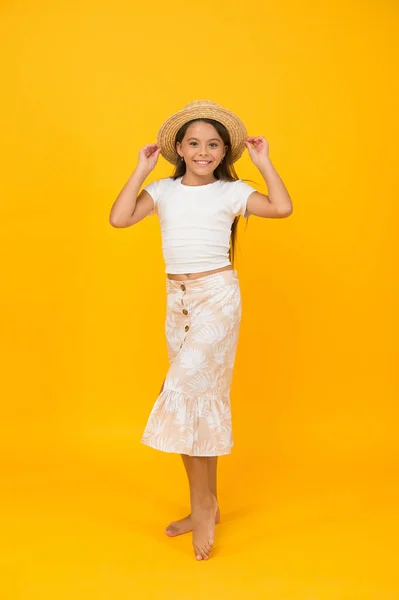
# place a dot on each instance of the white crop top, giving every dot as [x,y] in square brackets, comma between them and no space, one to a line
[196,221]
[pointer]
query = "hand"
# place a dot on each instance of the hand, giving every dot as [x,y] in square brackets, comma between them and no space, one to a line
[258,149]
[148,156]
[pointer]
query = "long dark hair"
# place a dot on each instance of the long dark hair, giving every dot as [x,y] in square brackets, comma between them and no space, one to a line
[224,171]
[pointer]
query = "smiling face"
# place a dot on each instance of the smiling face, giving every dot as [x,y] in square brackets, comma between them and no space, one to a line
[202,148]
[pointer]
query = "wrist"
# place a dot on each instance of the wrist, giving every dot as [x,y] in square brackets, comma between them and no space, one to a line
[265,165]
[142,170]
[265,161]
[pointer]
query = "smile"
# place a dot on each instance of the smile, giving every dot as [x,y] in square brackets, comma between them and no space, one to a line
[203,163]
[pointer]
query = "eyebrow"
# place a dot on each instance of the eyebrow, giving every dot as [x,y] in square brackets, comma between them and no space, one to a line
[193,138]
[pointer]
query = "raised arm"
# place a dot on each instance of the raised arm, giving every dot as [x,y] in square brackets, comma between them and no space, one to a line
[129,207]
[278,203]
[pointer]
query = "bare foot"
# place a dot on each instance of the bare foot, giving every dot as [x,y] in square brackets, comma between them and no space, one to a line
[203,519]
[184,525]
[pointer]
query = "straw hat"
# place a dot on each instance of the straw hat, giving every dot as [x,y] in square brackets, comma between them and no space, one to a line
[201,108]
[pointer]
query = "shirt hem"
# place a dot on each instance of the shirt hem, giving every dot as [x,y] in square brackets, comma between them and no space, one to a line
[195,269]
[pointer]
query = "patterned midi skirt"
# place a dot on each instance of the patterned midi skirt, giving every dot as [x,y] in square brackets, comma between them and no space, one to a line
[192,414]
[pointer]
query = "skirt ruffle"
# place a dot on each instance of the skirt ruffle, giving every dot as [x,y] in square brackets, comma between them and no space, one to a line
[190,424]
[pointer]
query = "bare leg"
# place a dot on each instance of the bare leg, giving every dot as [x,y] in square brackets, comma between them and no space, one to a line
[203,505]
[185,525]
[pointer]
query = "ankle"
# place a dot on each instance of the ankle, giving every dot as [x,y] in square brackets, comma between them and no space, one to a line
[201,499]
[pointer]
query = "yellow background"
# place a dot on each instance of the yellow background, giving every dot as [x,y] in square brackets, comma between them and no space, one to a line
[309,495]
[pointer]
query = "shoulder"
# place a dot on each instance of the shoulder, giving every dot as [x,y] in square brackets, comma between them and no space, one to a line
[238,186]
[163,182]
[241,184]
[158,186]
[241,189]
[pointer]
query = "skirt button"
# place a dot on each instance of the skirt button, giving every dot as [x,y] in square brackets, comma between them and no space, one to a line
[183,287]
[186,328]
[185,311]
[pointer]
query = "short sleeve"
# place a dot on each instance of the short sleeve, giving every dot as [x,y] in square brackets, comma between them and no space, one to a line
[239,196]
[153,189]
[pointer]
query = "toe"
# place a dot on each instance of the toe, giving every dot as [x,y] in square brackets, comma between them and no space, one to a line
[197,552]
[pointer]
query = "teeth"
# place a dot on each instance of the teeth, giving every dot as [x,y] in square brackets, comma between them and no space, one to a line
[202,162]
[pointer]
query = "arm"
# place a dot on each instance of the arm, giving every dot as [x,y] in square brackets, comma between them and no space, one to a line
[129,208]
[124,207]
[278,203]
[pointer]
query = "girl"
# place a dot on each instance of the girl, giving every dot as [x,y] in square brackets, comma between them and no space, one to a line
[199,207]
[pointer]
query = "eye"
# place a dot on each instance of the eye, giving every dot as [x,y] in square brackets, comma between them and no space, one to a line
[212,144]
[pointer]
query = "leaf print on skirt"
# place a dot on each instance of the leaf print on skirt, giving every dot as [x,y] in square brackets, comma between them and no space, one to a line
[192,414]
[209,333]
[193,360]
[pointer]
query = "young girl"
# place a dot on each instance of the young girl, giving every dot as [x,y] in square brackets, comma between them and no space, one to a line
[198,208]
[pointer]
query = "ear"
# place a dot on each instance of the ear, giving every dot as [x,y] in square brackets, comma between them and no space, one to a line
[178,145]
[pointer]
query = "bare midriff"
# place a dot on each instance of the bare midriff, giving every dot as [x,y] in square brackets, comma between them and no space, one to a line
[185,276]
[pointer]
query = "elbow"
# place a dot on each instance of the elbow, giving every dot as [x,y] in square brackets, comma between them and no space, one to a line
[286,212]
[121,224]
[115,223]
[116,220]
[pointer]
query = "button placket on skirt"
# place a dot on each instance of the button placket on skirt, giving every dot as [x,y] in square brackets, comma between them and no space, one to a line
[184,311]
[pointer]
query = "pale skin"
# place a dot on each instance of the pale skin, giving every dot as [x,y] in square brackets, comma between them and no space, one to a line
[201,143]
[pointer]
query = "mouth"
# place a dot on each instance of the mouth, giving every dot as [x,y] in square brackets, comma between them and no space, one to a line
[202,163]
